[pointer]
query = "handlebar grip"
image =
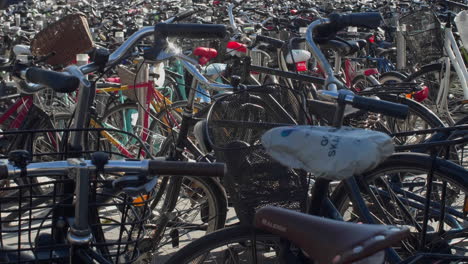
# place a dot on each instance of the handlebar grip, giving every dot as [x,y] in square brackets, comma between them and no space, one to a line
[59,82]
[179,168]
[276,43]
[3,172]
[5,3]
[370,20]
[195,31]
[184,15]
[380,106]
[339,22]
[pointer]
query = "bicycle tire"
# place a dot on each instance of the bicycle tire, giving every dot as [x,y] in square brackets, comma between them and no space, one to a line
[392,76]
[417,111]
[403,163]
[419,117]
[367,81]
[195,251]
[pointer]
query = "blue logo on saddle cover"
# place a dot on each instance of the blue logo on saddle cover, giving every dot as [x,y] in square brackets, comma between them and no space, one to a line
[287,132]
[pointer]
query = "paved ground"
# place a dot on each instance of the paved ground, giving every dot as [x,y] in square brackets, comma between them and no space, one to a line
[169,251]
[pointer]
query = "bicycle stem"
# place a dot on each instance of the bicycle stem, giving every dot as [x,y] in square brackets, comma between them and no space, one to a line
[331,82]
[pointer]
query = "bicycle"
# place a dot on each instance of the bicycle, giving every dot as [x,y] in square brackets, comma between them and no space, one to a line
[84,239]
[255,170]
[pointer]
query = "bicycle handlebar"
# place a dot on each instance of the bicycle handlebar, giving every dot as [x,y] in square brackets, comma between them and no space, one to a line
[328,27]
[339,22]
[196,31]
[276,43]
[184,15]
[148,167]
[369,104]
[57,81]
[380,106]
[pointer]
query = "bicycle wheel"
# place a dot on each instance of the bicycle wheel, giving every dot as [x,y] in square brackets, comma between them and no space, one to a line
[431,75]
[170,117]
[126,117]
[231,245]
[460,151]
[184,209]
[43,146]
[419,117]
[395,194]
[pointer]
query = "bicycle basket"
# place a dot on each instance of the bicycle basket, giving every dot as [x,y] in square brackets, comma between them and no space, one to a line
[235,124]
[29,206]
[423,36]
[65,38]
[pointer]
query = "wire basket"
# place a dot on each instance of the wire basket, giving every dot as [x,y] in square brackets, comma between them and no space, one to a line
[29,209]
[423,34]
[52,102]
[235,125]
[65,39]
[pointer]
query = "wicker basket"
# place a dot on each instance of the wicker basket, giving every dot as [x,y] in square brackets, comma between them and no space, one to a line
[66,38]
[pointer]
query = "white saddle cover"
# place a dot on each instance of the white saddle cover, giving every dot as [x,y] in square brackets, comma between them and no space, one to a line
[330,153]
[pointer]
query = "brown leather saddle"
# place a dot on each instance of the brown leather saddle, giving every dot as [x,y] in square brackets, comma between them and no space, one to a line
[326,240]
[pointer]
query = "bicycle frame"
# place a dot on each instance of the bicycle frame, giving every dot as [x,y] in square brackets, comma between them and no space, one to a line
[455,59]
[24,104]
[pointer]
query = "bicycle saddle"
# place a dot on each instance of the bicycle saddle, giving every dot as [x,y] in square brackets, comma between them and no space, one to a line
[385,51]
[329,153]
[359,43]
[344,48]
[4,61]
[236,48]
[326,240]
[205,54]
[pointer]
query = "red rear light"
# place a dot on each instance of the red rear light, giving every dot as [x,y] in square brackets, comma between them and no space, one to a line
[370,72]
[301,66]
[293,11]
[113,79]
[421,95]
[372,39]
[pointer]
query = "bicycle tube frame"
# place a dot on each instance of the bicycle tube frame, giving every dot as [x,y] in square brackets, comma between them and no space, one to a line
[27,102]
[455,59]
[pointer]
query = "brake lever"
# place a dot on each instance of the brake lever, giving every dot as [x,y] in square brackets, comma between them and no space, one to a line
[141,188]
